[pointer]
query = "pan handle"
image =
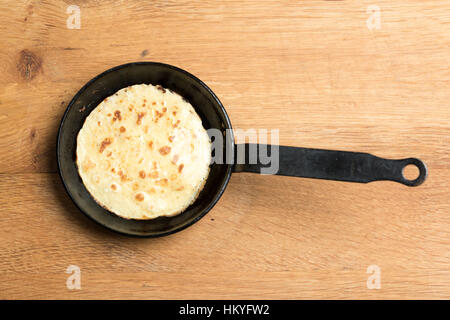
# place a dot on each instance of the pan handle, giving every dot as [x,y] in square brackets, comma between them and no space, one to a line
[323,164]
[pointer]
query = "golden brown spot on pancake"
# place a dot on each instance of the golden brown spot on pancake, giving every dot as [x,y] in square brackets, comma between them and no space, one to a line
[164,109]
[146,129]
[106,99]
[180,168]
[130,108]
[104,144]
[154,103]
[88,164]
[123,177]
[135,186]
[154,164]
[174,113]
[139,117]
[171,138]
[175,159]
[173,176]
[113,170]
[150,144]
[114,187]
[142,174]
[164,150]
[152,190]
[117,115]
[139,197]
[140,161]
[163,182]
[192,147]
[145,100]
[180,188]
[160,88]
[109,114]
[98,123]
[122,129]
[176,124]
[158,114]
[109,154]
[121,101]
[153,174]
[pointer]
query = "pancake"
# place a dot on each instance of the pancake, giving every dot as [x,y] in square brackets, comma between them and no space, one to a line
[143,153]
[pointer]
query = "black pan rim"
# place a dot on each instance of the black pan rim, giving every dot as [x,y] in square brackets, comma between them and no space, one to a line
[221,188]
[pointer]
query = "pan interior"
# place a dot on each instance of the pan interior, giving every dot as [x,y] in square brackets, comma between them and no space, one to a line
[192,89]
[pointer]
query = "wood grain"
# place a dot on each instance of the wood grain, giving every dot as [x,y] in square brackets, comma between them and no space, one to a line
[309,68]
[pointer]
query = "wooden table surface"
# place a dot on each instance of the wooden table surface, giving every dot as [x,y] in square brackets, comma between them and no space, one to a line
[316,70]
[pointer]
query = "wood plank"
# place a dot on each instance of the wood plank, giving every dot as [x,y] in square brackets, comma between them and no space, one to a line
[322,236]
[269,75]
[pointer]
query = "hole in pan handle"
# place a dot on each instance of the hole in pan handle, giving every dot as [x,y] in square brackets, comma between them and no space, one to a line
[323,164]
